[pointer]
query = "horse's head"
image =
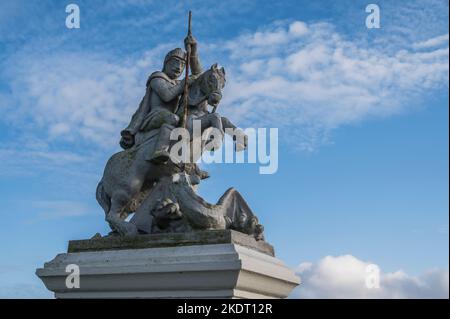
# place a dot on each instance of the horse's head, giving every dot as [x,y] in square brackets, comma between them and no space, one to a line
[211,83]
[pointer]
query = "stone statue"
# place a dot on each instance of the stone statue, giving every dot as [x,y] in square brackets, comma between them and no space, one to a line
[144,180]
[166,241]
[157,109]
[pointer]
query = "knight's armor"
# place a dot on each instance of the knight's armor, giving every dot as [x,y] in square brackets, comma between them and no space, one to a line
[157,109]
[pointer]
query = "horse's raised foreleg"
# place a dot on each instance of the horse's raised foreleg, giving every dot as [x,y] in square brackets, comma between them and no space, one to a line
[210,120]
[238,135]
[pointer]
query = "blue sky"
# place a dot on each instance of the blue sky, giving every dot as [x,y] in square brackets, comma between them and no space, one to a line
[362,117]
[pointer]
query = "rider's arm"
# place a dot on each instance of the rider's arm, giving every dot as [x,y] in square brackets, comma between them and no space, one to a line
[165,90]
[194,61]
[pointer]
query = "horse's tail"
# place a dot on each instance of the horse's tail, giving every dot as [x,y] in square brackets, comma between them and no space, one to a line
[102,198]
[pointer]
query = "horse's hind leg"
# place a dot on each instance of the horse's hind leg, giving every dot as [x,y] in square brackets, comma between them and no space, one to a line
[113,217]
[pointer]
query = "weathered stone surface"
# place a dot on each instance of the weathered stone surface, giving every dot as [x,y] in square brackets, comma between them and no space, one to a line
[197,271]
[206,237]
[150,179]
[191,248]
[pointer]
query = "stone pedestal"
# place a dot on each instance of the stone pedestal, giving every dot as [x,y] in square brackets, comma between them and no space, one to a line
[207,264]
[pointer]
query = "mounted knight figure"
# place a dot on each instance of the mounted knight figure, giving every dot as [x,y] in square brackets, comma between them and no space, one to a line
[158,106]
[133,175]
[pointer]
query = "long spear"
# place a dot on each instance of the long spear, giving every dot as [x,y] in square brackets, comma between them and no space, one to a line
[186,87]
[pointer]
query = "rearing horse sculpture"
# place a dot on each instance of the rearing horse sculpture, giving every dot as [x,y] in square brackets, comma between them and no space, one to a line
[128,177]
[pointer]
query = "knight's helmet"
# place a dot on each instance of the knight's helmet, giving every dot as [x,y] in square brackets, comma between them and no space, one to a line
[175,53]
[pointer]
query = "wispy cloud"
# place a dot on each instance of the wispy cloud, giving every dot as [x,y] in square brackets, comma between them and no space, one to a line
[310,79]
[24,291]
[26,151]
[63,101]
[433,42]
[307,79]
[58,209]
[78,98]
[345,277]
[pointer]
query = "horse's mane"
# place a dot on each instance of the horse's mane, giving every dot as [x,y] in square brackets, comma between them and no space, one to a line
[199,86]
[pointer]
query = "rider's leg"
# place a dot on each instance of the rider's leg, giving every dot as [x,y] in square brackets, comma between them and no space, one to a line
[161,152]
[213,120]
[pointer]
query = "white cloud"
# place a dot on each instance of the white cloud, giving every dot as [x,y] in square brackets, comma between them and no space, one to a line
[433,42]
[306,79]
[19,154]
[298,28]
[345,277]
[42,211]
[320,81]
[59,209]
[78,97]
[24,291]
